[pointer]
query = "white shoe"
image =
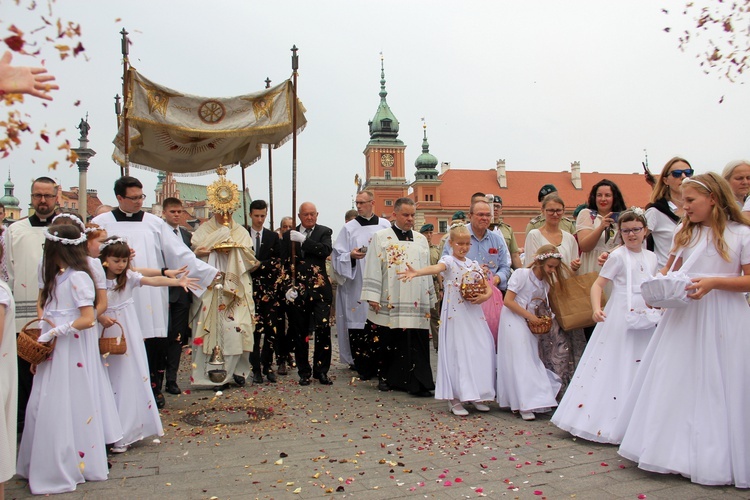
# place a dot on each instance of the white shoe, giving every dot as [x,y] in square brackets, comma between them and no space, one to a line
[457,408]
[119,449]
[527,415]
[480,406]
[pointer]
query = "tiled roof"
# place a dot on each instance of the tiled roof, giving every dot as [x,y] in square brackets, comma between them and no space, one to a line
[523,187]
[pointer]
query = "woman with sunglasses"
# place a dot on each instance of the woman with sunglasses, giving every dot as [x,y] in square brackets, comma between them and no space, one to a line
[665,209]
[737,174]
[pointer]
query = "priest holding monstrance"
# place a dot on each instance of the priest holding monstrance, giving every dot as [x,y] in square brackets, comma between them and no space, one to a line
[223,318]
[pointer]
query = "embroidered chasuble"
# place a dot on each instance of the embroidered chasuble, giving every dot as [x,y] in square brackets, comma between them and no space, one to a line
[402,305]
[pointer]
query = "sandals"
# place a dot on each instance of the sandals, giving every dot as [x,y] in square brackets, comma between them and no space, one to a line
[457,408]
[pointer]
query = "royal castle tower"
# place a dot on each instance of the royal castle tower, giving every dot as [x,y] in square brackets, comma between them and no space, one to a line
[426,185]
[385,172]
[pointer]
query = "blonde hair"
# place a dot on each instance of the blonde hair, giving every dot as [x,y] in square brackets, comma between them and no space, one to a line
[457,229]
[725,209]
[560,273]
[661,190]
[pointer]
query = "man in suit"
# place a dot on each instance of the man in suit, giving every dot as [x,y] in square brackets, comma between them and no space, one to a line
[311,294]
[178,327]
[266,245]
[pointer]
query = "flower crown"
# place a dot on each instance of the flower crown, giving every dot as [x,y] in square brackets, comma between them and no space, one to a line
[64,241]
[112,242]
[638,211]
[93,229]
[550,255]
[456,225]
[71,217]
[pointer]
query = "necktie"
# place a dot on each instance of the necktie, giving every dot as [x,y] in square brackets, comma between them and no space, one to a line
[257,242]
[308,231]
[177,232]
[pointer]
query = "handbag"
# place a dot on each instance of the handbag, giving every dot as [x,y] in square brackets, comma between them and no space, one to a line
[541,310]
[113,345]
[473,283]
[642,318]
[669,290]
[572,307]
[29,348]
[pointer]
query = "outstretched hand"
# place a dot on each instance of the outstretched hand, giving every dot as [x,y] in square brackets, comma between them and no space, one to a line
[408,274]
[177,273]
[188,284]
[25,79]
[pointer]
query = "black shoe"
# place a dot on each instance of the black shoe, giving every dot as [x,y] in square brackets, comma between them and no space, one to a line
[304,381]
[271,376]
[323,379]
[239,380]
[222,387]
[160,401]
[383,385]
[257,378]
[281,368]
[422,394]
[173,388]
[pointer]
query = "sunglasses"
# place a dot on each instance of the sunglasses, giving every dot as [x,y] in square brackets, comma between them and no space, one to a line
[678,173]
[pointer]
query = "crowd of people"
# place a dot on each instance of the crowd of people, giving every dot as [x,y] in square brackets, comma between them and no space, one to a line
[663,384]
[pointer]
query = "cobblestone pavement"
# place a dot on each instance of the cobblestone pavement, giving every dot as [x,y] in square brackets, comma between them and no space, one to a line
[349,440]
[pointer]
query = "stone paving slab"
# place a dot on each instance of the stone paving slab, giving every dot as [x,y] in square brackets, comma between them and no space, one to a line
[349,440]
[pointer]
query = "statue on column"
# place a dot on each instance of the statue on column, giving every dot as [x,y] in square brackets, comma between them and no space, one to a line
[84,127]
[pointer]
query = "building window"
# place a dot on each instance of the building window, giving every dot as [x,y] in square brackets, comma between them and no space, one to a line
[386,124]
[387,174]
[388,203]
[443,226]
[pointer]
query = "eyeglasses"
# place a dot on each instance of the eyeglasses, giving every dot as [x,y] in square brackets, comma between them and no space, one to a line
[135,198]
[554,211]
[634,230]
[678,173]
[38,196]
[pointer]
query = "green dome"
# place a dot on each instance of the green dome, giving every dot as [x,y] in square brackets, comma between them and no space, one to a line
[384,126]
[426,162]
[9,201]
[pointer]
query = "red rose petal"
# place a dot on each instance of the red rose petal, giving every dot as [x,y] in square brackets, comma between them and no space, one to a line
[79,365]
[538,492]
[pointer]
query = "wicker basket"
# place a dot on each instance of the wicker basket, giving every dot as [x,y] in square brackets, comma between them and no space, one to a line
[113,345]
[541,311]
[476,285]
[29,349]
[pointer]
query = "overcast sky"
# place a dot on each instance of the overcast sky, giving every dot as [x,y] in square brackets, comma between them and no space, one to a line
[540,84]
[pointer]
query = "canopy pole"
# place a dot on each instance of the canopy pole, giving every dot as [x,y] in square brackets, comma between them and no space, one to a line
[270,173]
[244,190]
[125,168]
[295,66]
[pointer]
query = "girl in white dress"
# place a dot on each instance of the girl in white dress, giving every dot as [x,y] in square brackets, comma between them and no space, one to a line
[687,410]
[605,373]
[98,377]
[466,358]
[129,373]
[523,383]
[8,386]
[63,441]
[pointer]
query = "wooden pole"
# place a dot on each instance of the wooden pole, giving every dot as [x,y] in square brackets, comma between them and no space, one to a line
[125,169]
[295,66]
[270,173]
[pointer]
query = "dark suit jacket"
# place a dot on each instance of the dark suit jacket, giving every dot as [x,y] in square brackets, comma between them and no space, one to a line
[267,273]
[312,277]
[176,293]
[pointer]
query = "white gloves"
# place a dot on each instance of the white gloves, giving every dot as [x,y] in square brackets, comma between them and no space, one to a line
[296,236]
[58,331]
[46,337]
[291,294]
